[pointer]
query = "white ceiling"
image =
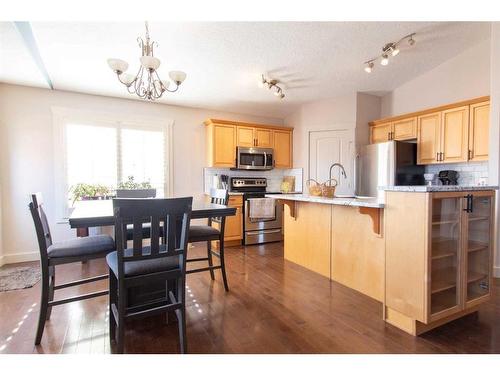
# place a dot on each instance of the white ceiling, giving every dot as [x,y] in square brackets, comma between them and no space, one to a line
[223,61]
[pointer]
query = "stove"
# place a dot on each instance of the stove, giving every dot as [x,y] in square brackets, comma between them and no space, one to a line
[257,230]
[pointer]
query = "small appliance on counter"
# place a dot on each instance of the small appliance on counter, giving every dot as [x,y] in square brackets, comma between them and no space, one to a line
[429,178]
[448,177]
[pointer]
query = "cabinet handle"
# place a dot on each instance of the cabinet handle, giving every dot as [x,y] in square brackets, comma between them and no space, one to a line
[437,156]
[469,207]
[392,135]
[471,155]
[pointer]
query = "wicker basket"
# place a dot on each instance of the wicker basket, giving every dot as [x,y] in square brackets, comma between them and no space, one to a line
[314,187]
[328,188]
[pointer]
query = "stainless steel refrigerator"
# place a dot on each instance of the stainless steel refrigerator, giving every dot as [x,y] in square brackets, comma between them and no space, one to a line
[387,164]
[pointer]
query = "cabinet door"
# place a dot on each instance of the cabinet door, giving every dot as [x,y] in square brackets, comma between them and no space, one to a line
[455,134]
[264,137]
[405,129]
[479,124]
[478,248]
[282,148]
[245,136]
[380,133]
[234,226]
[224,145]
[428,138]
[445,255]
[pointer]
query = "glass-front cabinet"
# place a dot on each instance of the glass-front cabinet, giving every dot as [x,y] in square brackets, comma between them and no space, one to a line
[478,247]
[460,251]
[445,253]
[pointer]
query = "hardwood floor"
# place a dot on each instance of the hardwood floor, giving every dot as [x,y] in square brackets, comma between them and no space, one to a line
[273,306]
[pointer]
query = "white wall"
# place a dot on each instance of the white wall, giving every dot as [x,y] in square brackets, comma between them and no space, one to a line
[463,77]
[368,108]
[27,153]
[494,154]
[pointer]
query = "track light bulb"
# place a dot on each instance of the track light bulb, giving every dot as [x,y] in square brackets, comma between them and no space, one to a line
[385,60]
[369,67]
[395,51]
[411,41]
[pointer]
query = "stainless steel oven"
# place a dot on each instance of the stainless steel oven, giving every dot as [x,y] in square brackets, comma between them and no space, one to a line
[254,158]
[258,229]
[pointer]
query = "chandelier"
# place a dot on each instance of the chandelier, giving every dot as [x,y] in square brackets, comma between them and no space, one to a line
[146,83]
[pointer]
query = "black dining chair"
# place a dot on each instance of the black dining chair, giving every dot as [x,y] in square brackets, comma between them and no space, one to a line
[137,193]
[207,233]
[53,254]
[163,261]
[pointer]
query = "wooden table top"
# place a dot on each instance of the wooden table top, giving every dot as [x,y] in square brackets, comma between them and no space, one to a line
[98,213]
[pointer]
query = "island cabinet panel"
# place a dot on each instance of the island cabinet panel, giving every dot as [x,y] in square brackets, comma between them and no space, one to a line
[357,252]
[439,258]
[307,236]
[479,125]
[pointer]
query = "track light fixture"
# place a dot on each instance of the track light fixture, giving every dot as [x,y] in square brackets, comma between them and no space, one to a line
[390,49]
[272,84]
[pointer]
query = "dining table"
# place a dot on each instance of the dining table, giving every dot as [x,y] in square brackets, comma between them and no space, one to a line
[99,213]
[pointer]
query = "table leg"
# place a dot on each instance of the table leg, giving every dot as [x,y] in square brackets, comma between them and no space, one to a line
[82,232]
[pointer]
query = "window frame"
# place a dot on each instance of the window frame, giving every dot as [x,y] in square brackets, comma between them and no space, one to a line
[61,116]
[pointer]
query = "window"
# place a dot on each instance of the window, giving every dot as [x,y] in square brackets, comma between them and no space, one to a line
[103,152]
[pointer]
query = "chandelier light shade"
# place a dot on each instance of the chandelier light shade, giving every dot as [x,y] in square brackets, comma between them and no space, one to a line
[147,83]
[389,50]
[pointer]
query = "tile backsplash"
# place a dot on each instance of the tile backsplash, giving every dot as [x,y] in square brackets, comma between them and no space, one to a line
[474,173]
[274,177]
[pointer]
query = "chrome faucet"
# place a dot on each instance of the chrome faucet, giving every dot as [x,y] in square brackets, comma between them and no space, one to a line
[342,170]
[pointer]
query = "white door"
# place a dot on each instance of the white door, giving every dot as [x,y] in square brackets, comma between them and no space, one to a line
[328,147]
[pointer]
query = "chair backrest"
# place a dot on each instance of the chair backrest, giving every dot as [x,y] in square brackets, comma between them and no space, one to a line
[219,196]
[173,213]
[135,193]
[41,224]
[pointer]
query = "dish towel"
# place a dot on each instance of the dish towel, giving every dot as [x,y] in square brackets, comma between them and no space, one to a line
[262,208]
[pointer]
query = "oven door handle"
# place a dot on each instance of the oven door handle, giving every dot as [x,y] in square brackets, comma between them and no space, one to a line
[266,231]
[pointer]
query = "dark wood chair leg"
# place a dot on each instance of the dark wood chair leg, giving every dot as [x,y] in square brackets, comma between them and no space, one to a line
[181,316]
[167,290]
[122,303]
[223,264]
[52,283]
[210,260]
[44,304]
[112,300]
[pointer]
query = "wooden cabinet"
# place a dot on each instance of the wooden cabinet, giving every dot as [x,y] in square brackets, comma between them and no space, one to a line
[454,135]
[404,129]
[224,136]
[441,270]
[221,145]
[283,148]
[381,133]
[479,124]
[233,231]
[245,136]
[398,130]
[428,138]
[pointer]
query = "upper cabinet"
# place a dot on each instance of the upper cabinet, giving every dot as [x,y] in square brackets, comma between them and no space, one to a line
[449,134]
[224,136]
[397,130]
[479,123]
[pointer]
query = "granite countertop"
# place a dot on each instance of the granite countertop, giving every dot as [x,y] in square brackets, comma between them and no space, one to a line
[438,188]
[355,202]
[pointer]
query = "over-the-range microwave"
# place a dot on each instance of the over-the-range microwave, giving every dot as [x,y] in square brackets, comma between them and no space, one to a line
[254,158]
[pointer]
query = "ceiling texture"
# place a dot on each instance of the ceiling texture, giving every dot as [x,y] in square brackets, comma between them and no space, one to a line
[224,60]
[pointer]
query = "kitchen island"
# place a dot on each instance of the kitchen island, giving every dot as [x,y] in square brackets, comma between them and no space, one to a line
[426,253]
[339,238]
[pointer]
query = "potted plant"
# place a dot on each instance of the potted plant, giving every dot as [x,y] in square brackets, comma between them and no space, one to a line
[83,191]
[130,184]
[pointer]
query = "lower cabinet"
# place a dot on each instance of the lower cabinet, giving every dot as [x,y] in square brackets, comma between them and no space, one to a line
[441,270]
[233,231]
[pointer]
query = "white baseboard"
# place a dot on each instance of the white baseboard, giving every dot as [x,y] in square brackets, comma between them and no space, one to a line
[496,272]
[17,258]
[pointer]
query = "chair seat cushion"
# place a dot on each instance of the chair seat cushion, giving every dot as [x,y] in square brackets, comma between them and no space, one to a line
[202,233]
[142,267]
[82,247]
